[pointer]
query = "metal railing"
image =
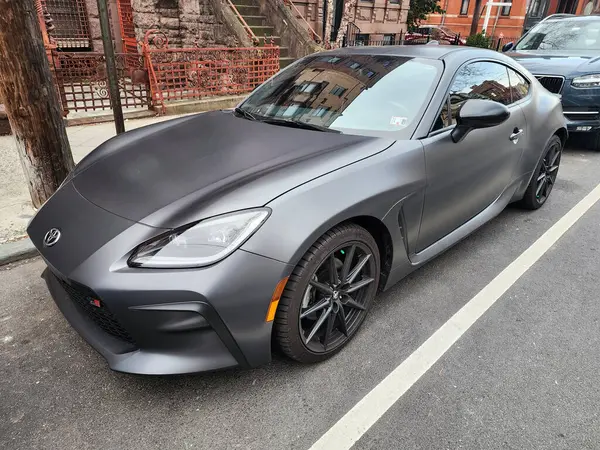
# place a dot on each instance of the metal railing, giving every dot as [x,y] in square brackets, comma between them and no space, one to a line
[125,12]
[249,31]
[355,40]
[299,15]
[82,81]
[195,73]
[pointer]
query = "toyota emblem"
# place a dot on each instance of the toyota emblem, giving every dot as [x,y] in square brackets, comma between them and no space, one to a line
[51,237]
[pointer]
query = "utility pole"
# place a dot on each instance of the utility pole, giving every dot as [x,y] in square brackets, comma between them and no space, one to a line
[31,100]
[111,68]
[476,16]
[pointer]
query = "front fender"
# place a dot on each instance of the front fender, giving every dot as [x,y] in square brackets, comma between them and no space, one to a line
[372,187]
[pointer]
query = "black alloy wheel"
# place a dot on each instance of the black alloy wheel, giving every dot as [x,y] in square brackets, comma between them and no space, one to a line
[328,295]
[544,177]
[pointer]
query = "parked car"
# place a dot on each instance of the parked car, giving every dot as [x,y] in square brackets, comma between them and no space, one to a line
[562,52]
[426,33]
[193,244]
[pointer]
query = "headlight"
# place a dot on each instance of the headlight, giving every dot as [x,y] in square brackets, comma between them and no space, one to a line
[587,81]
[200,244]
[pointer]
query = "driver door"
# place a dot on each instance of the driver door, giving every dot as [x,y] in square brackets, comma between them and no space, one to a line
[466,177]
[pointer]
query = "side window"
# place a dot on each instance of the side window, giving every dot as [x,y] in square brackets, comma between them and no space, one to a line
[519,85]
[483,80]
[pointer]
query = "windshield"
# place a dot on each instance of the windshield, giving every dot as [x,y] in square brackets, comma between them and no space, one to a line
[370,95]
[563,34]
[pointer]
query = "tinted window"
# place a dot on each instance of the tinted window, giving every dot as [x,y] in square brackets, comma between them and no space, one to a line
[564,34]
[358,94]
[483,80]
[519,85]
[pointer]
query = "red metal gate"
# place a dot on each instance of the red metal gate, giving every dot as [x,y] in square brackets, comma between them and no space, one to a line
[83,84]
[127,27]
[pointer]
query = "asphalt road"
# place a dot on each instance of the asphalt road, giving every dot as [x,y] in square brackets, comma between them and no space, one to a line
[524,376]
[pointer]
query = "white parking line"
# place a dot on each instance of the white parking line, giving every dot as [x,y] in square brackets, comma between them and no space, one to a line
[367,411]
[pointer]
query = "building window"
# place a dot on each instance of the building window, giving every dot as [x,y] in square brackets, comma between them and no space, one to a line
[72,28]
[330,59]
[464,7]
[319,112]
[362,39]
[307,87]
[290,110]
[338,91]
[506,10]
[395,2]
[389,39]
[353,64]
[370,73]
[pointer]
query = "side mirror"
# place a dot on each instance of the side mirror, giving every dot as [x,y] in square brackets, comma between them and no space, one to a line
[475,114]
[507,47]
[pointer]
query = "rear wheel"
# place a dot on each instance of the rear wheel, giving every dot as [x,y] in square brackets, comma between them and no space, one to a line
[328,295]
[544,176]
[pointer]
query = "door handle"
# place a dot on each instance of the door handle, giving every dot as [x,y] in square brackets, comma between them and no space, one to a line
[517,132]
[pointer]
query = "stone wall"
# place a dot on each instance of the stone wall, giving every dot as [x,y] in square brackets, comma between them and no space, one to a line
[94,22]
[187,23]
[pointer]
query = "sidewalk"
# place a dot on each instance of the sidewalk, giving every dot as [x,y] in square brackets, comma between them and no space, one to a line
[15,202]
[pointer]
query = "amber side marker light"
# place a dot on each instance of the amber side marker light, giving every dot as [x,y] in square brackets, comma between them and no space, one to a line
[275,300]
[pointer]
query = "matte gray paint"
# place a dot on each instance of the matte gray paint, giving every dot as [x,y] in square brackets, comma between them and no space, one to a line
[402,184]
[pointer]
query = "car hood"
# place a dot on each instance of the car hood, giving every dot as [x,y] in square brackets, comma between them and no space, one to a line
[152,174]
[545,62]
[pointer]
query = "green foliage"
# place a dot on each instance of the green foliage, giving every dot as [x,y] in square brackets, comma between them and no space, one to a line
[479,40]
[420,10]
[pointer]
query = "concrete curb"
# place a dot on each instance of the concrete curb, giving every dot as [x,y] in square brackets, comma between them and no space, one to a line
[16,251]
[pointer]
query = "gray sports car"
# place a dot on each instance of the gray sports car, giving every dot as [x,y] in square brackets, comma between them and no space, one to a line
[197,243]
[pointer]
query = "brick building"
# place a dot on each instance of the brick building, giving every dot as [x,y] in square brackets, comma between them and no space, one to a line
[509,21]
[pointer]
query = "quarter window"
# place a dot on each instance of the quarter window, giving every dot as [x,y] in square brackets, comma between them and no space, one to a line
[519,86]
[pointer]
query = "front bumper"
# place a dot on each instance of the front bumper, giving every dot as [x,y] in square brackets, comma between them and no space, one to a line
[581,108]
[577,125]
[159,322]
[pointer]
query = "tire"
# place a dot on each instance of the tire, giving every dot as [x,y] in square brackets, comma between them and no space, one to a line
[345,242]
[537,192]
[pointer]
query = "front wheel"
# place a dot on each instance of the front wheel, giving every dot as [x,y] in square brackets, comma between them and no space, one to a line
[544,176]
[328,295]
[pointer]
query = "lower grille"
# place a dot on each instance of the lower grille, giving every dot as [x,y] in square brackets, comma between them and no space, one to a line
[100,315]
[553,83]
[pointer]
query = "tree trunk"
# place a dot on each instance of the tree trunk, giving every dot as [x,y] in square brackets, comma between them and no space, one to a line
[476,15]
[31,100]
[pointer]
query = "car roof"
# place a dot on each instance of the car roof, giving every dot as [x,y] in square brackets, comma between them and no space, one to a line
[413,51]
[569,18]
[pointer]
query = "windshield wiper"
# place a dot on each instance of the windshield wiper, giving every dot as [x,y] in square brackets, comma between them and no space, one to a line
[294,124]
[246,114]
